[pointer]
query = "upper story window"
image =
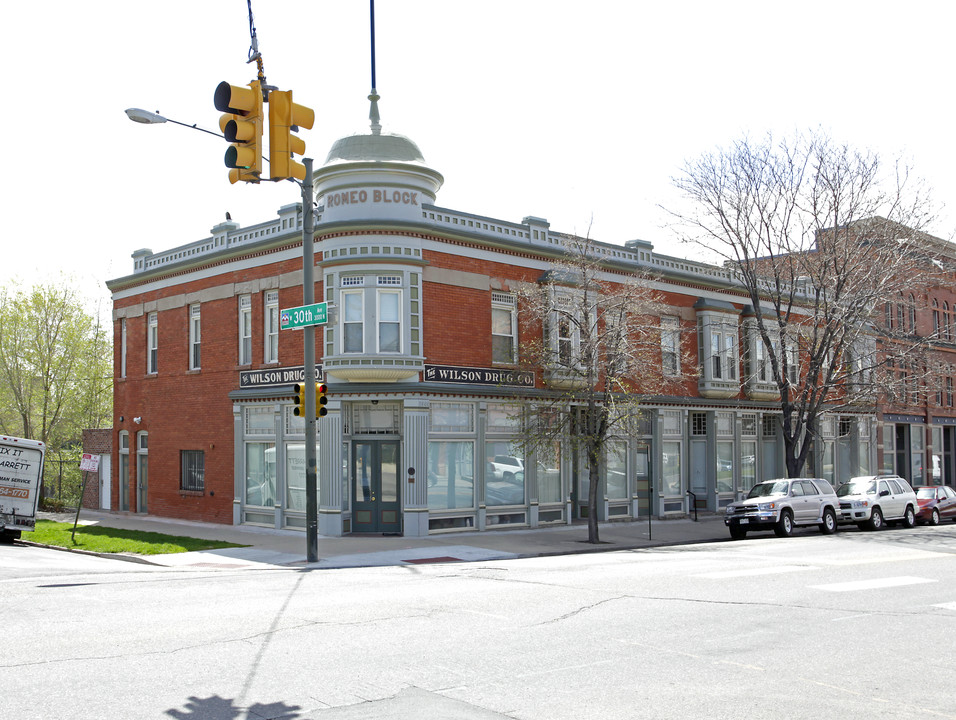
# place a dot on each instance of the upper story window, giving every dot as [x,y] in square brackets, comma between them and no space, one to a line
[152,343]
[245,330]
[353,321]
[271,330]
[717,333]
[389,321]
[373,314]
[670,345]
[504,328]
[565,331]
[194,337]
[723,351]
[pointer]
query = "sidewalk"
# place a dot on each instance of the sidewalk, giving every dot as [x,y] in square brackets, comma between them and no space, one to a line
[268,548]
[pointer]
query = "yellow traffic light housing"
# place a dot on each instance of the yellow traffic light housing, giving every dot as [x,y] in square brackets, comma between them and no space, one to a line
[242,126]
[321,400]
[285,117]
[299,410]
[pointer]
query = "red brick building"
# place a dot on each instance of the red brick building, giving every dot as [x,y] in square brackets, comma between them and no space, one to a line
[419,355]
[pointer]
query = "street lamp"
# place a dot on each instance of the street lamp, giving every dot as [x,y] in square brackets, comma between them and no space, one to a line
[150,118]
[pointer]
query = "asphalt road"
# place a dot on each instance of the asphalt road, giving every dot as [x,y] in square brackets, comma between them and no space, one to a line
[852,625]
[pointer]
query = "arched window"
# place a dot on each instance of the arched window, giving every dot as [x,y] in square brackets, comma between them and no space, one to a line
[936,327]
[912,313]
[946,322]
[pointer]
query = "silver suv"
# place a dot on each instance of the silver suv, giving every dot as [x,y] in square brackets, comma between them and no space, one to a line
[871,501]
[782,505]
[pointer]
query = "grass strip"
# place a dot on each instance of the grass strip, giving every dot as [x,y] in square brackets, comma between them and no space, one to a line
[97,538]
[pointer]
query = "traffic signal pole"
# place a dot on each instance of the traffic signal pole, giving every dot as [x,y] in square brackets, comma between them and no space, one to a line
[308,338]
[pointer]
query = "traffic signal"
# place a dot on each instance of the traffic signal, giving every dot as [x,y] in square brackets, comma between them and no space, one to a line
[299,410]
[321,400]
[285,117]
[242,126]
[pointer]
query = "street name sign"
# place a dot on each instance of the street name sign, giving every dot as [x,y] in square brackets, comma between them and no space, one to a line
[300,317]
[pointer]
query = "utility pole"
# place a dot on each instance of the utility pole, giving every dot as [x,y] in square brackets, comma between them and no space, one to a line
[308,339]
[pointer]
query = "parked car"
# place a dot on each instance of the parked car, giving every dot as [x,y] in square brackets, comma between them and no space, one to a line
[783,504]
[504,467]
[506,492]
[936,502]
[872,501]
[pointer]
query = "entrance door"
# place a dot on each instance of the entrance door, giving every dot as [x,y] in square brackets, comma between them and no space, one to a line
[104,482]
[375,500]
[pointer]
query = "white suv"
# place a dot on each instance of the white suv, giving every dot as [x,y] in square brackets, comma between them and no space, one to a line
[874,500]
[783,504]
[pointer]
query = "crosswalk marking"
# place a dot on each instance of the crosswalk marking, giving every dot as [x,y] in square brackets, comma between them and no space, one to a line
[873,584]
[775,570]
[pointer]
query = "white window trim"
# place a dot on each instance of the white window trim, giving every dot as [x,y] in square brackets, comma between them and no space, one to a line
[670,345]
[270,348]
[563,308]
[245,341]
[123,347]
[152,343]
[195,337]
[505,302]
[379,321]
[343,322]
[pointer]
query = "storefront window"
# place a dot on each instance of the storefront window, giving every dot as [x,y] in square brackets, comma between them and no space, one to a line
[748,465]
[937,457]
[917,448]
[261,474]
[670,471]
[828,462]
[451,475]
[549,474]
[615,470]
[725,467]
[295,475]
[504,473]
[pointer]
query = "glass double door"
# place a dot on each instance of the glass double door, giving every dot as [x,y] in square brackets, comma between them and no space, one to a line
[375,487]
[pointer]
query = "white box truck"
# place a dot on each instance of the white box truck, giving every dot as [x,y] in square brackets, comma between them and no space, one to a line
[21,472]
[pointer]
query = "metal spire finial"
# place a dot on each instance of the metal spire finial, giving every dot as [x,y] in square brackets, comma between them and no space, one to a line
[373,113]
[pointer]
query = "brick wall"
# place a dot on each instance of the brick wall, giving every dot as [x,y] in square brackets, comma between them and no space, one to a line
[95,442]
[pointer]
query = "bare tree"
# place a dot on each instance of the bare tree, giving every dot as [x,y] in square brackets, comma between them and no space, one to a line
[820,237]
[599,351]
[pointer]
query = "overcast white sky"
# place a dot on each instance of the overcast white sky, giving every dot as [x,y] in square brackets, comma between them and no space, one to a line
[578,112]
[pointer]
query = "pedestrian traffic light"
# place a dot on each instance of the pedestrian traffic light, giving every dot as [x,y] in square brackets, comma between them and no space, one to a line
[285,117]
[321,400]
[299,410]
[242,126]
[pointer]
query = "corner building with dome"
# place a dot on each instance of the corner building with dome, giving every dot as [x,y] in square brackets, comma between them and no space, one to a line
[420,357]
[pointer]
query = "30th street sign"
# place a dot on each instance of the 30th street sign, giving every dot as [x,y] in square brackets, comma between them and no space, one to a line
[300,317]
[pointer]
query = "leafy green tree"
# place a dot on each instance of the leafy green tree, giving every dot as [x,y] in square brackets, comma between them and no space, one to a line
[55,365]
